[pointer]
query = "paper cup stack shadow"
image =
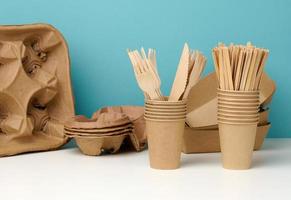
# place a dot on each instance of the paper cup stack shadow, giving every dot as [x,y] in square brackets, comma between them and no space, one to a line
[237,127]
[165,123]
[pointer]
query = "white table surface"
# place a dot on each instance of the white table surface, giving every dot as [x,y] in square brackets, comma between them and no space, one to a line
[67,174]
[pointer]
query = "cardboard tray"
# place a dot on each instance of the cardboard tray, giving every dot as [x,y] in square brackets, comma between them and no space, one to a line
[35,91]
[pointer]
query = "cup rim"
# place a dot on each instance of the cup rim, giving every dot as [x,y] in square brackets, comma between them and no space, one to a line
[238,91]
[152,101]
[235,122]
[232,119]
[166,107]
[165,116]
[165,110]
[238,96]
[238,100]
[165,113]
[240,104]
[223,110]
[164,120]
[238,115]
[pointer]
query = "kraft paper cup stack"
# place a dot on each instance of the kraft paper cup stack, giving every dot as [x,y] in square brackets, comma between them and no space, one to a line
[238,116]
[165,123]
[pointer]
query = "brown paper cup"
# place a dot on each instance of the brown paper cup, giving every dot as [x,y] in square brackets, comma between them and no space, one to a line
[165,132]
[237,144]
[165,143]
[237,121]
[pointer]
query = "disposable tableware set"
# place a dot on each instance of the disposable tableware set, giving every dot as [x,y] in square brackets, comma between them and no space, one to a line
[165,116]
[225,111]
[239,72]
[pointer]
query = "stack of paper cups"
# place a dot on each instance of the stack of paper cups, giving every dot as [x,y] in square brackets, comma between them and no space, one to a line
[165,123]
[238,116]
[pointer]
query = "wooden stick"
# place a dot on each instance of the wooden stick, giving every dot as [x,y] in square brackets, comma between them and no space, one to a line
[245,68]
[215,57]
[241,61]
[221,70]
[228,68]
[260,71]
[257,65]
[251,70]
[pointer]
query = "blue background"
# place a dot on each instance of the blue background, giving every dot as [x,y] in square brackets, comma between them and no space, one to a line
[98,33]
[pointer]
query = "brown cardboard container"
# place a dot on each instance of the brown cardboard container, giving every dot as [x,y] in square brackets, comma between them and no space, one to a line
[202,105]
[35,91]
[94,146]
[207,140]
